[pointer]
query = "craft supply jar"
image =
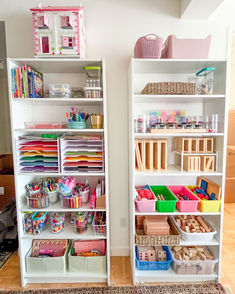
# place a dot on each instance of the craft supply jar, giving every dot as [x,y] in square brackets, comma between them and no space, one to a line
[205,81]
[57,222]
[37,199]
[80,222]
[140,124]
[53,195]
[71,200]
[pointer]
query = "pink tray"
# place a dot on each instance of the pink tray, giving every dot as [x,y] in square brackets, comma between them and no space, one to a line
[146,205]
[185,205]
[43,125]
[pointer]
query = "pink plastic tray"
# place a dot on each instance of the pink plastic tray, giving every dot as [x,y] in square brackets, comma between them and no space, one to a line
[145,205]
[43,125]
[185,205]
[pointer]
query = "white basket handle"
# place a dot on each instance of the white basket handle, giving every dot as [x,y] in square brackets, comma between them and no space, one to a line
[151,36]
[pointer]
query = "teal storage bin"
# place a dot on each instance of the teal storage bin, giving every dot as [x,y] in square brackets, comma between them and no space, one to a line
[167,205]
[77,125]
[46,264]
[87,264]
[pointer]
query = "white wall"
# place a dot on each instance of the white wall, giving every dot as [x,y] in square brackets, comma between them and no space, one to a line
[113,26]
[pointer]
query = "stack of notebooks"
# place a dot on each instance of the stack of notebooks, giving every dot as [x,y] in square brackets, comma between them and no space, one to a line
[37,154]
[156,225]
[82,154]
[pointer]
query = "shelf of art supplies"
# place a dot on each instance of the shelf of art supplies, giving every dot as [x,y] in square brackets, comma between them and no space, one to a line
[63,101]
[159,119]
[170,275]
[140,98]
[58,80]
[68,233]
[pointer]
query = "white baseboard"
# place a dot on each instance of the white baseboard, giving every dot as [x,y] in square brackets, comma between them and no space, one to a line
[120,251]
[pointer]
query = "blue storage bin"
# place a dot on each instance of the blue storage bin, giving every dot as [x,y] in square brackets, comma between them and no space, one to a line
[154,265]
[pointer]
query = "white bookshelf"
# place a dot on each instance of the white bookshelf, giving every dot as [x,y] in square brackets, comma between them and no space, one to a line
[49,110]
[142,71]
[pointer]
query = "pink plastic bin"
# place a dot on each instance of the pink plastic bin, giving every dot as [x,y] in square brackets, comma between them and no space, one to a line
[88,245]
[185,205]
[145,205]
[149,46]
[186,48]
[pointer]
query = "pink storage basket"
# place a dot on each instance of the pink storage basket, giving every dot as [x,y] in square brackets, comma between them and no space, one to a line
[146,205]
[149,46]
[186,48]
[185,205]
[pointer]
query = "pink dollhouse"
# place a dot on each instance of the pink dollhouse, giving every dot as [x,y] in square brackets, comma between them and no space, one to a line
[58,31]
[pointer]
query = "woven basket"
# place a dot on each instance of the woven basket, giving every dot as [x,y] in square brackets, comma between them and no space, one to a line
[170,240]
[169,88]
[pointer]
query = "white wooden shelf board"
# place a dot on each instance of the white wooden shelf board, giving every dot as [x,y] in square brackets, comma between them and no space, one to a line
[162,135]
[177,212]
[59,130]
[170,276]
[57,207]
[68,233]
[74,174]
[59,101]
[138,98]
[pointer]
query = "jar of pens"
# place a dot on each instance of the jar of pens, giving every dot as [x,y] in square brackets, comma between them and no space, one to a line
[80,222]
[69,196]
[36,198]
[50,187]
[77,119]
[84,191]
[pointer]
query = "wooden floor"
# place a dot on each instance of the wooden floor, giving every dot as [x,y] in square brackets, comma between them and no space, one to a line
[120,266]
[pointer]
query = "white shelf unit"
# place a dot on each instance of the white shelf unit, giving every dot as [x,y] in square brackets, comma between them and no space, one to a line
[142,71]
[49,110]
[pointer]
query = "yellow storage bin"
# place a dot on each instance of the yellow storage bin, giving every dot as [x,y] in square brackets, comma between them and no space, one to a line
[208,205]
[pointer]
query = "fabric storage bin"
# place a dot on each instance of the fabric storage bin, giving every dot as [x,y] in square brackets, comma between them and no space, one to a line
[154,265]
[88,264]
[194,267]
[46,264]
[145,205]
[185,205]
[186,48]
[149,46]
[167,205]
[194,237]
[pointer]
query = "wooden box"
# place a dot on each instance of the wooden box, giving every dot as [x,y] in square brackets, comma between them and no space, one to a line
[192,163]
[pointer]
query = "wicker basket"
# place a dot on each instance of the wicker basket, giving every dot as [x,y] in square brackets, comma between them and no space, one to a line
[170,240]
[169,88]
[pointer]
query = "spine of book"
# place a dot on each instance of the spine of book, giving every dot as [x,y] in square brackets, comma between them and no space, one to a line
[31,85]
[17,83]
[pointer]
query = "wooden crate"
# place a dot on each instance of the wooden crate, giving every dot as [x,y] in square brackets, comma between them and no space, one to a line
[208,163]
[195,145]
[192,163]
[151,155]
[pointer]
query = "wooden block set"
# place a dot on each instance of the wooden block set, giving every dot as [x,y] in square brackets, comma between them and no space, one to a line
[151,155]
[191,253]
[193,224]
[198,163]
[194,145]
[152,253]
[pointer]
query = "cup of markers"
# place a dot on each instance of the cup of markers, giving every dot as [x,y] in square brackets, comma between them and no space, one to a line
[57,222]
[35,197]
[51,189]
[71,200]
[77,119]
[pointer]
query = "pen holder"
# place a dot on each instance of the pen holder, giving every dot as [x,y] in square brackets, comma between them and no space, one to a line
[77,125]
[96,121]
[85,195]
[57,222]
[71,201]
[37,200]
[53,195]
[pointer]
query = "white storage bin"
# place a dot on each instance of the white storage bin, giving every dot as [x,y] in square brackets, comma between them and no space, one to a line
[87,264]
[46,264]
[202,237]
[194,267]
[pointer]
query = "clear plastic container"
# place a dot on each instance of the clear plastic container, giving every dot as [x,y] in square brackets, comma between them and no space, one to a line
[140,124]
[37,200]
[205,81]
[39,221]
[80,222]
[93,72]
[59,91]
[57,222]
[93,93]
[53,195]
[71,200]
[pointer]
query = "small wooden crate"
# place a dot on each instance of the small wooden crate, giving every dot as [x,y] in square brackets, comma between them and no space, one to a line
[194,145]
[151,155]
[208,163]
[192,163]
[148,240]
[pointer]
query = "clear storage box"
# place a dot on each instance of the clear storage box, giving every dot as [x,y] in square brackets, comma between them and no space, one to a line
[59,91]
[205,81]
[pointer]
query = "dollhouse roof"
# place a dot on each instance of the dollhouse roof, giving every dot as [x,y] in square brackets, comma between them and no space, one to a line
[57,8]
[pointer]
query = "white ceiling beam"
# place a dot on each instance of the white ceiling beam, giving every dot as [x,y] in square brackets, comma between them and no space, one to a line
[193,9]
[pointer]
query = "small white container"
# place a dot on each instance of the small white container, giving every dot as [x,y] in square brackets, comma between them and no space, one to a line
[53,195]
[195,237]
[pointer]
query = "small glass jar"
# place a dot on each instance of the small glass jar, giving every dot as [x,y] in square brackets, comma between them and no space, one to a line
[80,222]
[205,81]
[57,222]
[140,124]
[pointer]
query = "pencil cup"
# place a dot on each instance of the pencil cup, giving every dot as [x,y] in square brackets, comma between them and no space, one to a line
[77,125]
[37,200]
[71,201]
[96,121]
[53,195]
[85,196]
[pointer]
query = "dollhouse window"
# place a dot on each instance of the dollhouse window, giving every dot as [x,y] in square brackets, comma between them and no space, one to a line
[43,22]
[45,45]
[68,42]
[66,22]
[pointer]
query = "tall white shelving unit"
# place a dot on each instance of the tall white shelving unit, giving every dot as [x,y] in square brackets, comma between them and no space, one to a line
[141,72]
[48,110]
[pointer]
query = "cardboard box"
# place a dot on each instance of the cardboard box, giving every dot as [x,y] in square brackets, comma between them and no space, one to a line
[6,161]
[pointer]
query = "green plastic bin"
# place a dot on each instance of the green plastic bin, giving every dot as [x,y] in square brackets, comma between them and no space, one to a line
[164,205]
